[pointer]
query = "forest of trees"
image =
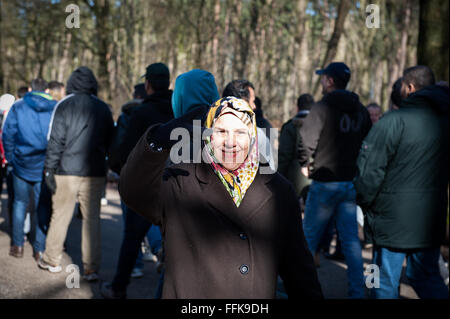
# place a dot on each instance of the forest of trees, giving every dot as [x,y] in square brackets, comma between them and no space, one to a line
[276,44]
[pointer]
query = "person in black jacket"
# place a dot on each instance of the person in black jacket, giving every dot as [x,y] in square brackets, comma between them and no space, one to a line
[331,135]
[156,108]
[122,125]
[288,164]
[261,121]
[75,168]
[402,185]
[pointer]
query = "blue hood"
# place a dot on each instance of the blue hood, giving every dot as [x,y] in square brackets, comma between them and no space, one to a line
[39,101]
[192,89]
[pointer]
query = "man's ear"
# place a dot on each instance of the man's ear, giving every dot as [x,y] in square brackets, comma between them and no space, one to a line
[148,87]
[330,81]
[411,88]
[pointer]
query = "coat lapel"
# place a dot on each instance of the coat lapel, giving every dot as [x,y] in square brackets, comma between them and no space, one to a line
[218,197]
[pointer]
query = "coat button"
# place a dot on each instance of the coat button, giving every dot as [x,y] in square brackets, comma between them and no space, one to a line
[243,236]
[243,269]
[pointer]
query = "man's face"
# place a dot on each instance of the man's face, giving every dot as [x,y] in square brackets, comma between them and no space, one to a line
[230,141]
[58,94]
[327,84]
[375,114]
[251,98]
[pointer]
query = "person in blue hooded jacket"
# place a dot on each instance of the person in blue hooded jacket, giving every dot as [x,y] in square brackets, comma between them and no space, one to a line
[195,89]
[25,142]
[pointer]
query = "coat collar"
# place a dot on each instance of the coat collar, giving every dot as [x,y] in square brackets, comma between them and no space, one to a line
[217,196]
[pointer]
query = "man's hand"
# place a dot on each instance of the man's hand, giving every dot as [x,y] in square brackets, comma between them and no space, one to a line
[49,178]
[305,171]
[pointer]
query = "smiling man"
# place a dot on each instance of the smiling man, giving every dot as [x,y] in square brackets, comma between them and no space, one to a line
[229,230]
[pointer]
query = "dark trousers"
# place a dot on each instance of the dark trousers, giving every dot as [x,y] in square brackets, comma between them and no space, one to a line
[136,227]
[6,173]
[43,215]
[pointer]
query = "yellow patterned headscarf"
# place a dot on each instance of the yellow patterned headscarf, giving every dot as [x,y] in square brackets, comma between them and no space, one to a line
[238,181]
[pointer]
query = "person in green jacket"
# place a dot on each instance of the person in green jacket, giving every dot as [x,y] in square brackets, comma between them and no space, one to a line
[402,187]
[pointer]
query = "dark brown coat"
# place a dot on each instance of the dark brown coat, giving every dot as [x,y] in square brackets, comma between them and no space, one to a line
[209,241]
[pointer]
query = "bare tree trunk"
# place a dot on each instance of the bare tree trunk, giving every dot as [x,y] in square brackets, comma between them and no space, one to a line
[226,42]
[301,49]
[65,57]
[433,37]
[2,78]
[401,53]
[215,39]
[344,6]
[101,10]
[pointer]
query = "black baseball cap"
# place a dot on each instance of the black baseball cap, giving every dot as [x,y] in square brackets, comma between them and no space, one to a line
[157,71]
[336,70]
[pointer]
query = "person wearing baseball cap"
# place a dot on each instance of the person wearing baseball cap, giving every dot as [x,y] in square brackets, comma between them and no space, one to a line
[158,76]
[332,135]
[337,76]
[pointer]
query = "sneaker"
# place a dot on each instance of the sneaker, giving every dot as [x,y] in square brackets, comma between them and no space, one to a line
[137,273]
[46,266]
[149,256]
[90,276]
[104,201]
[108,293]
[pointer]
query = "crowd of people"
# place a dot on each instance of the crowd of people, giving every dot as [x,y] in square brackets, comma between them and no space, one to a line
[232,219]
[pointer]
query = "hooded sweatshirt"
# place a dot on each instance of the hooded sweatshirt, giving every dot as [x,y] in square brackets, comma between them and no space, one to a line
[81,129]
[82,80]
[25,134]
[433,96]
[331,136]
[193,89]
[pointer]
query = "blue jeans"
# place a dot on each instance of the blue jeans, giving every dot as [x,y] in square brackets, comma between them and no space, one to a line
[422,271]
[336,200]
[22,191]
[154,238]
